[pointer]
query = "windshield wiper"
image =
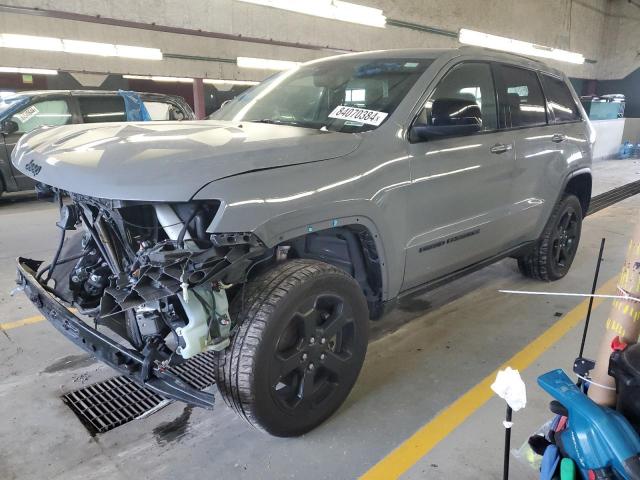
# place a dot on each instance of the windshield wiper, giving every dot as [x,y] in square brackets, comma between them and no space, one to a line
[291,123]
[273,121]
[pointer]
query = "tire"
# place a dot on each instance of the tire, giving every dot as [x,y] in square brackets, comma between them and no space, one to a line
[299,347]
[555,250]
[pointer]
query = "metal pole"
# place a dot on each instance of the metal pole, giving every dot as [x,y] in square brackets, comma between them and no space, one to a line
[198,98]
[507,443]
[593,291]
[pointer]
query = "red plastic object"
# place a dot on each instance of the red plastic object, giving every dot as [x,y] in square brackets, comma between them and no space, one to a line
[618,345]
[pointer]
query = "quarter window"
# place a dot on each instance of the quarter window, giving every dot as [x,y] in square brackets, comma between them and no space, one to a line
[163,111]
[48,113]
[466,90]
[520,98]
[560,100]
[102,109]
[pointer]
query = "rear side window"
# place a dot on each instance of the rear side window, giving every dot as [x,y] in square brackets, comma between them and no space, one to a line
[163,111]
[561,102]
[102,109]
[520,97]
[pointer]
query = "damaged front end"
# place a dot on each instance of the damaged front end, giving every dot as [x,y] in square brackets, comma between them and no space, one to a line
[152,275]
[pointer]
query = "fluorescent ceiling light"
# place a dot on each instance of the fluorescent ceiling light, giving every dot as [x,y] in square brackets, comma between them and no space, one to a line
[212,81]
[471,37]
[28,71]
[156,78]
[137,77]
[172,79]
[332,9]
[143,53]
[265,64]
[89,48]
[50,44]
[29,42]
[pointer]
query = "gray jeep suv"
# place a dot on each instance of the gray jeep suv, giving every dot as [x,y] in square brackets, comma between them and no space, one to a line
[270,235]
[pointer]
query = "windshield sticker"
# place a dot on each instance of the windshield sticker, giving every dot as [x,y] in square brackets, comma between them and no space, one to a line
[362,115]
[411,65]
[27,114]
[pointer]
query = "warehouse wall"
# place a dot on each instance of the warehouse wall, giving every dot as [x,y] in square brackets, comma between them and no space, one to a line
[621,49]
[569,24]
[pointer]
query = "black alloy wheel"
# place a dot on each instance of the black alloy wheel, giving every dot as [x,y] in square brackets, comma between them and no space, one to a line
[564,240]
[552,256]
[312,352]
[300,343]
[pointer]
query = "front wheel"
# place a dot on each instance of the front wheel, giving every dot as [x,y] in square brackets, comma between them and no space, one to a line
[555,250]
[299,347]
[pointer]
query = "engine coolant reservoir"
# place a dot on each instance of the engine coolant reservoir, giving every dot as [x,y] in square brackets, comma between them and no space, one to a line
[196,333]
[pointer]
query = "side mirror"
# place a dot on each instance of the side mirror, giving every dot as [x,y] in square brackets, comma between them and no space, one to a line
[7,127]
[449,117]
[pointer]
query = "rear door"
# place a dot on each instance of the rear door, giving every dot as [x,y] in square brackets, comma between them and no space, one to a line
[54,111]
[567,129]
[540,154]
[460,190]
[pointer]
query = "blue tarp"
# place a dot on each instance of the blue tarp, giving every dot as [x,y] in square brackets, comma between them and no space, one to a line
[136,111]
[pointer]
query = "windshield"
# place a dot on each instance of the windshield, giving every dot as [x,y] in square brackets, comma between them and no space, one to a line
[10,101]
[345,94]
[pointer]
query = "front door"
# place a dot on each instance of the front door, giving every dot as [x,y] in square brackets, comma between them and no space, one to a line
[51,112]
[461,185]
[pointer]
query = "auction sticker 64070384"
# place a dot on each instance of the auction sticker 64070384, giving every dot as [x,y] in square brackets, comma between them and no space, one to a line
[362,115]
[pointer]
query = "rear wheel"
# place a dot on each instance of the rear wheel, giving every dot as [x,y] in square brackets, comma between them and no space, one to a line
[554,252]
[299,347]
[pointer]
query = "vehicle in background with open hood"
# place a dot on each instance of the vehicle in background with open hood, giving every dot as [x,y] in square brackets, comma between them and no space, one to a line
[22,112]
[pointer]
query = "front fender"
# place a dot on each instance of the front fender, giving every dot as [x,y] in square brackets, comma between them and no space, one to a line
[285,203]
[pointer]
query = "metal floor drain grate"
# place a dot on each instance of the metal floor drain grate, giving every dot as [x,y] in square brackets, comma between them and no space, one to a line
[106,405]
[611,197]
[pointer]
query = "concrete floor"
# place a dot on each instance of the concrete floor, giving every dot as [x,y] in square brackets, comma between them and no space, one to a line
[421,358]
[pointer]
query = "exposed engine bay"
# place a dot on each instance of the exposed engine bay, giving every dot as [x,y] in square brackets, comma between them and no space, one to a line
[151,273]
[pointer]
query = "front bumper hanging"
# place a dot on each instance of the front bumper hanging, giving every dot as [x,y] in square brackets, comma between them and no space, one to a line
[125,360]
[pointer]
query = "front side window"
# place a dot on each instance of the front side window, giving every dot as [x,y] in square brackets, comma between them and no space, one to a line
[102,109]
[342,94]
[520,97]
[464,97]
[561,102]
[50,113]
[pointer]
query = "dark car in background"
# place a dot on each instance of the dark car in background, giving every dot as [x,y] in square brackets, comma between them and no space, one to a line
[23,112]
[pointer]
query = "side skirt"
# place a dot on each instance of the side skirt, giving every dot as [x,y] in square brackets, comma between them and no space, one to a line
[516,251]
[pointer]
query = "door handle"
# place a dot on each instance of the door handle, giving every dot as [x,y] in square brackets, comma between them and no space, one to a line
[558,137]
[501,147]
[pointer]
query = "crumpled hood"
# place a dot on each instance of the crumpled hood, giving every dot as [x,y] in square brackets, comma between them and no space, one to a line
[166,161]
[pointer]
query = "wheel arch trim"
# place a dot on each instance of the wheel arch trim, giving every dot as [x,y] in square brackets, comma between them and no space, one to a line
[267,233]
[581,172]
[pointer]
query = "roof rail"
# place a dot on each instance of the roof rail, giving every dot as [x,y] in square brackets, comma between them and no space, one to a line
[494,50]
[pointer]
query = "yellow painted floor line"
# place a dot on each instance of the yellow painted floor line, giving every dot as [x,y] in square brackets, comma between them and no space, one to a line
[21,323]
[424,440]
